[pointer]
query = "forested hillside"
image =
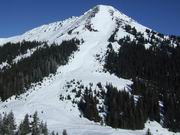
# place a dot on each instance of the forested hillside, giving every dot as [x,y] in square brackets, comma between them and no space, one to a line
[155,72]
[14,80]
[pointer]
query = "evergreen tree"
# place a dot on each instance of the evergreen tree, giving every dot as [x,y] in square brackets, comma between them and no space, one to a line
[148,132]
[88,105]
[24,127]
[122,114]
[8,124]
[5,128]
[8,127]
[43,128]
[11,121]
[35,125]
[1,125]
[64,132]
[53,133]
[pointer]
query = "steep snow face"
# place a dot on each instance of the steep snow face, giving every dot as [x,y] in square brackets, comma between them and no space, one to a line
[94,28]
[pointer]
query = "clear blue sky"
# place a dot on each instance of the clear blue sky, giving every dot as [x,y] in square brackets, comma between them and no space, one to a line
[18,16]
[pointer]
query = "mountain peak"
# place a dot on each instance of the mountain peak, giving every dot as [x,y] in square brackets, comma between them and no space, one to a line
[99,17]
[104,7]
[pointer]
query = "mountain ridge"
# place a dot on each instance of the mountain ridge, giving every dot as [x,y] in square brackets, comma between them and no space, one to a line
[58,27]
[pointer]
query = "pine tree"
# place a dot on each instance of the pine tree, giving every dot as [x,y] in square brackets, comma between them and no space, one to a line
[43,128]
[5,128]
[52,133]
[11,121]
[8,124]
[148,132]
[88,105]
[24,127]
[1,125]
[35,124]
[8,127]
[64,132]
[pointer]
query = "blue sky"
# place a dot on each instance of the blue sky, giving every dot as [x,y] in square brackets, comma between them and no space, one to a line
[18,16]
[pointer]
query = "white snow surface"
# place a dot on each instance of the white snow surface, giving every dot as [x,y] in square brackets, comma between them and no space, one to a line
[83,66]
[4,64]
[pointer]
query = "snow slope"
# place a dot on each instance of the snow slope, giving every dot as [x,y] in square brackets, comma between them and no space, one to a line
[54,32]
[83,66]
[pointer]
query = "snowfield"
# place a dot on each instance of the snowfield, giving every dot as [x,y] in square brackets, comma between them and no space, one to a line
[83,66]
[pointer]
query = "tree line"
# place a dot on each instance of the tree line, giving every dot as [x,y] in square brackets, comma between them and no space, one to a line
[9,50]
[9,127]
[44,61]
[31,124]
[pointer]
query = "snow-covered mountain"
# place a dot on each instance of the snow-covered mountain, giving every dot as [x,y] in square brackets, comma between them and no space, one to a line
[100,17]
[93,29]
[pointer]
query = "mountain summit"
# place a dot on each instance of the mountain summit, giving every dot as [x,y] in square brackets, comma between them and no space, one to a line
[80,74]
[100,17]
